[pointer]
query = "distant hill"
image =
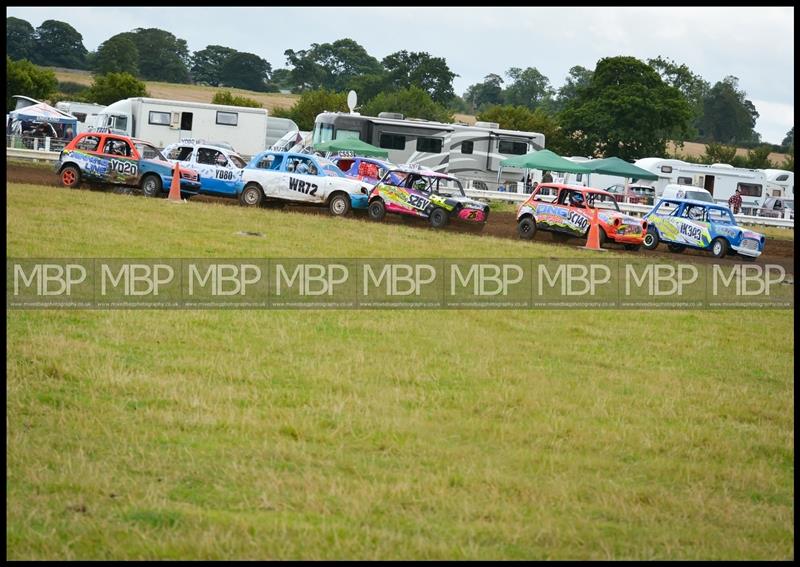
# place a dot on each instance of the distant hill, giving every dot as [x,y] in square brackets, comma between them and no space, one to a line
[198,93]
[193,93]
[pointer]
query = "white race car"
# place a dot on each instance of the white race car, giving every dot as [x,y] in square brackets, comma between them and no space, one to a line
[220,168]
[301,178]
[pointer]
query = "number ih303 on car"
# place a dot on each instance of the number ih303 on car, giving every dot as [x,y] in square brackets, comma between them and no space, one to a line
[570,214]
[418,192]
[682,223]
[94,157]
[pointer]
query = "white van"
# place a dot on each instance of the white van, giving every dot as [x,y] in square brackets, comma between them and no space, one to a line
[674,191]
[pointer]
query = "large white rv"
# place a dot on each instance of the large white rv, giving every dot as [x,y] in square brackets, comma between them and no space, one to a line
[85,112]
[780,180]
[163,122]
[467,151]
[721,180]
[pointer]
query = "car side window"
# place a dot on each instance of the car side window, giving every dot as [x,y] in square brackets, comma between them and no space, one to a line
[89,143]
[207,156]
[116,147]
[180,153]
[693,212]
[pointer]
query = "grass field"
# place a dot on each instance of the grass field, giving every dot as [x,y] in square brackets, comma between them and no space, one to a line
[380,434]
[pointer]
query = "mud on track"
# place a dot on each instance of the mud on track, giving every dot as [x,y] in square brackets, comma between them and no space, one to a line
[500,225]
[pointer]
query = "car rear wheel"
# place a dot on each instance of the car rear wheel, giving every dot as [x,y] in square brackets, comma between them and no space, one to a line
[651,239]
[376,210]
[70,177]
[339,205]
[439,218]
[151,186]
[526,228]
[251,196]
[676,248]
[719,247]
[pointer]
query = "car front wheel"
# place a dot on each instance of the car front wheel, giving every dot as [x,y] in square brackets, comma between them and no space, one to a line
[151,186]
[339,205]
[439,218]
[651,239]
[376,210]
[719,247]
[251,196]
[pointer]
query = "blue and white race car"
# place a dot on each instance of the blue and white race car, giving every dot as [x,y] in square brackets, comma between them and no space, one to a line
[682,223]
[220,168]
[301,178]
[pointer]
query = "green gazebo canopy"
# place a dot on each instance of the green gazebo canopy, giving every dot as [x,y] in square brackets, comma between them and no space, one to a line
[545,160]
[618,167]
[353,145]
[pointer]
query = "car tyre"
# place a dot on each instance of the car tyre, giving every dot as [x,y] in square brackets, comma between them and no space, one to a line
[151,186]
[526,228]
[339,205]
[439,218]
[719,247]
[251,196]
[70,177]
[651,239]
[376,210]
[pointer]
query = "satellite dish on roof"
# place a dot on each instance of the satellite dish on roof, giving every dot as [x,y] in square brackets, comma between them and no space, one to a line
[352,99]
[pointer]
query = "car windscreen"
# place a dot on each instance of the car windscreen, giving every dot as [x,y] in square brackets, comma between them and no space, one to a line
[448,187]
[602,201]
[332,171]
[719,216]
[699,196]
[150,152]
[237,161]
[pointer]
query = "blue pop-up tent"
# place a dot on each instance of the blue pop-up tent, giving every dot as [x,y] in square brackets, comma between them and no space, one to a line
[44,113]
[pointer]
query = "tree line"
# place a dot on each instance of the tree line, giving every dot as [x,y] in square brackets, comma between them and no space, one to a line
[623,107]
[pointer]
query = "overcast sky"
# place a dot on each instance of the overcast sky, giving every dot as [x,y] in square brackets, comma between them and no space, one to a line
[754,44]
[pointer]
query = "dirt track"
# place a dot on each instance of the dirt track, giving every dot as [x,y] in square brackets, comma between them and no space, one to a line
[500,225]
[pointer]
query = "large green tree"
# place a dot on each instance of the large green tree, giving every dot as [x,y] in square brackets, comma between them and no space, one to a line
[162,56]
[117,54]
[25,78]
[577,79]
[207,64]
[528,88]
[691,86]
[245,71]
[626,110]
[310,104]
[788,141]
[412,102]
[20,39]
[107,89]
[728,117]
[330,65]
[58,44]
[487,93]
[419,69]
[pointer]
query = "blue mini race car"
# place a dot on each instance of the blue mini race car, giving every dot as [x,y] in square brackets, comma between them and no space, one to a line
[682,223]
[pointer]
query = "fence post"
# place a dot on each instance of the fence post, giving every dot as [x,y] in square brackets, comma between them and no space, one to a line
[47,144]
[36,143]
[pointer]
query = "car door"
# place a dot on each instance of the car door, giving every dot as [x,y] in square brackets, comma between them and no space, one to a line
[304,182]
[218,173]
[692,226]
[122,160]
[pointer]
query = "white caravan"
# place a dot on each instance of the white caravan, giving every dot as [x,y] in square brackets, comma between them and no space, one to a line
[780,183]
[466,151]
[86,112]
[164,122]
[720,179]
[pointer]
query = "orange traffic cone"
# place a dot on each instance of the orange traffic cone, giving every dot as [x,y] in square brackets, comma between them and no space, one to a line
[593,240]
[175,186]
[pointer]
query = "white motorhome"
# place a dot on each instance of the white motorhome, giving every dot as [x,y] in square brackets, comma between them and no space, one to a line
[719,179]
[780,183]
[85,112]
[163,122]
[467,151]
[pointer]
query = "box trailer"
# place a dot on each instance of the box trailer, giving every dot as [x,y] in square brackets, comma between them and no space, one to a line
[163,122]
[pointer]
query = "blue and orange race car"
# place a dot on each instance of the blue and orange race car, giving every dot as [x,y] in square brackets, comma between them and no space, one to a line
[96,157]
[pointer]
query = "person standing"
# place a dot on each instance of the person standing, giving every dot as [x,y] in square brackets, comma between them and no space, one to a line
[735,202]
[547,178]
